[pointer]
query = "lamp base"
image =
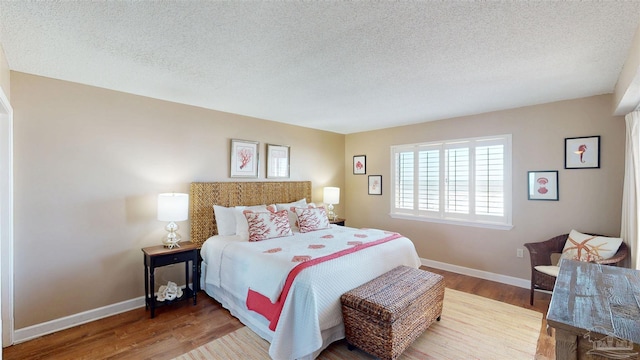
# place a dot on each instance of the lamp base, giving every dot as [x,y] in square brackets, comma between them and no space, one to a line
[169,244]
[172,239]
[330,214]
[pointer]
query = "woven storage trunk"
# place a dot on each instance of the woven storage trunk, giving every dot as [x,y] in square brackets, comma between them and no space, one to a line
[385,315]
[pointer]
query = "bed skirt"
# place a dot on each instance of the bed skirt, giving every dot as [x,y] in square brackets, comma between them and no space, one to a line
[258,323]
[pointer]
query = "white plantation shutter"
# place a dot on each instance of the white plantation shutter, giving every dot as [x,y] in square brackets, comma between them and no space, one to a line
[465,180]
[457,186]
[404,187]
[490,180]
[429,180]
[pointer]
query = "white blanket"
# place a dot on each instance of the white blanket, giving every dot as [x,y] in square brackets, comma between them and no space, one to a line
[268,264]
[313,304]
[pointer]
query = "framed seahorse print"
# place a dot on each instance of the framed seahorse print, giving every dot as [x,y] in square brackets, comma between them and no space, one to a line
[244,158]
[582,152]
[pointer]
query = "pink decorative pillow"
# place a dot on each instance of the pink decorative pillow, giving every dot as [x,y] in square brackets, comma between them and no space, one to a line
[312,219]
[267,225]
[293,217]
[242,228]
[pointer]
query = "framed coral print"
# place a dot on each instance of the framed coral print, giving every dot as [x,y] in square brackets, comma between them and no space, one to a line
[582,152]
[543,185]
[359,165]
[277,161]
[375,184]
[244,158]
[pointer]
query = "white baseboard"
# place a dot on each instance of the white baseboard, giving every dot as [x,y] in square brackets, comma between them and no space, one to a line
[509,280]
[34,331]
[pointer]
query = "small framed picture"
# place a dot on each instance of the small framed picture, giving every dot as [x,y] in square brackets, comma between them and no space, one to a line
[359,165]
[582,152]
[244,158]
[277,161]
[375,184]
[543,185]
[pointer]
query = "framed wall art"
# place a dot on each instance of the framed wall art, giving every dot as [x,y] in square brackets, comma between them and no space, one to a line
[278,165]
[359,165]
[543,185]
[375,184]
[244,158]
[582,152]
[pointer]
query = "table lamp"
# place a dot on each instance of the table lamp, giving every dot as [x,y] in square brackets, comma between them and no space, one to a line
[172,207]
[331,196]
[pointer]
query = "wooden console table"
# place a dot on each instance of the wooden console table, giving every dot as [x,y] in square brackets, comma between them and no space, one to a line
[595,311]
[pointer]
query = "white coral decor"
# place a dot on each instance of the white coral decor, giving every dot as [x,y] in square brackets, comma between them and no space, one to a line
[169,292]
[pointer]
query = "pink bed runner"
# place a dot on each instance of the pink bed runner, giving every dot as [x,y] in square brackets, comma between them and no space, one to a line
[262,304]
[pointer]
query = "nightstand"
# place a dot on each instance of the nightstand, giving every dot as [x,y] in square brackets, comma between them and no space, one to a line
[337,221]
[157,256]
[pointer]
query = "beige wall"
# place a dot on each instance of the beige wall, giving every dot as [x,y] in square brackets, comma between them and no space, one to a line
[89,164]
[590,199]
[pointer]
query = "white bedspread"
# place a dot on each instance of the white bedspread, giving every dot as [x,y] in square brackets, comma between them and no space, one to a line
[313,304]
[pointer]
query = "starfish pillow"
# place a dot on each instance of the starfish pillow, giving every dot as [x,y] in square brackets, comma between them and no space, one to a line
[585,247]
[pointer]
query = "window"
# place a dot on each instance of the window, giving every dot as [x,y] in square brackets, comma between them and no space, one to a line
[464,181]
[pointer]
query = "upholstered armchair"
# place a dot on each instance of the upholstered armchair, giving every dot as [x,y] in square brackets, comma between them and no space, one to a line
[541,252]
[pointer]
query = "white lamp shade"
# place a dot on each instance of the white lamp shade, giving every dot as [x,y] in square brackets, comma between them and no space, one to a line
[173,207]
[331,195]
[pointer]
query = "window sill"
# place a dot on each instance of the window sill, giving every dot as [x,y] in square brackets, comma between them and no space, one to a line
[485,225]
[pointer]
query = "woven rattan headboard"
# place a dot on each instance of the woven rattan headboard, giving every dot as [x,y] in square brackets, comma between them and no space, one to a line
[206,194]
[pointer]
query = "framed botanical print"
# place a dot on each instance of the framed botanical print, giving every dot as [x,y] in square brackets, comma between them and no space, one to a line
[278,165]
[582,152]
[359,165]
[244,158]
[375,185]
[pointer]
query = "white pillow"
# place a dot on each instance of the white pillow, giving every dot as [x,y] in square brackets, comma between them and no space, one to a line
[299,203]
[583,247]
[225,219]
[241,225]
[293,218]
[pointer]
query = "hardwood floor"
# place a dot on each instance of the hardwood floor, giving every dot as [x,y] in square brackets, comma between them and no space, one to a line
[177,329]
[508,294]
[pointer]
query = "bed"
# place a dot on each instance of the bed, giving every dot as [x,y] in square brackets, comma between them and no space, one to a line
[310,316]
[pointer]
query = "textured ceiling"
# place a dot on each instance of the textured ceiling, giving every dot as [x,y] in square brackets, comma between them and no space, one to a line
[338,66]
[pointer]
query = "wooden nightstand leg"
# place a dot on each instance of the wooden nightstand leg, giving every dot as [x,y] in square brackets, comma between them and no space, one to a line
[186,277]
[152,302]
[195,279]
[146,287]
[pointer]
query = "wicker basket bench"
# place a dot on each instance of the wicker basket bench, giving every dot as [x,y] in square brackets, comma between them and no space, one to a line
[385,315]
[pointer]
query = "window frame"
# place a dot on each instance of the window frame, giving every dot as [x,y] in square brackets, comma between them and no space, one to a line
[503,222]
